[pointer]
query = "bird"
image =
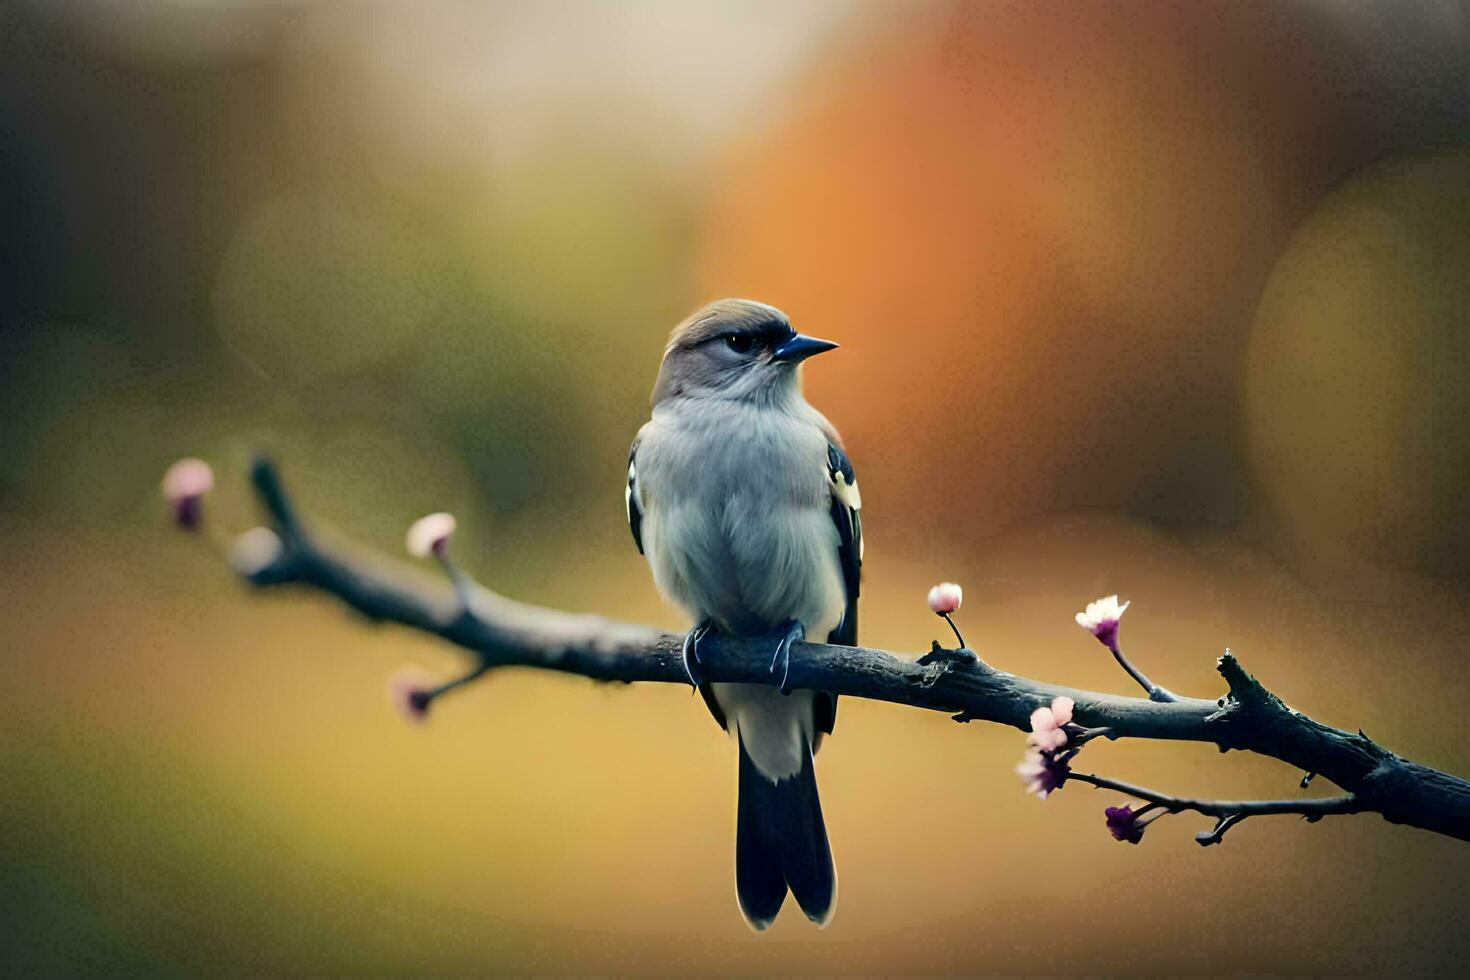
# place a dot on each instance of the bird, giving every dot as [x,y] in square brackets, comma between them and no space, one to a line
[744,503]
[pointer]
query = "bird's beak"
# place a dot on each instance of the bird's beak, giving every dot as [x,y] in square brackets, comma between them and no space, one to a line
[800,347]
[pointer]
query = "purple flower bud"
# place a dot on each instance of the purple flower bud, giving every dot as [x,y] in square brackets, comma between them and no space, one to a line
[1100,618]
[410,696]
[1123,824]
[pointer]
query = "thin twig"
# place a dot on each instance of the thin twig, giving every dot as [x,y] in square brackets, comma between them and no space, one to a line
[1154,691]
[1217,833]
[1326,806]
[1228,812]
[958,638]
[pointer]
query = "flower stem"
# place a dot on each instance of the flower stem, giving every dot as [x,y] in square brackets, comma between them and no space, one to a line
[460,581]
[1160,812]
[956,629]
[1155,693]
[436,692]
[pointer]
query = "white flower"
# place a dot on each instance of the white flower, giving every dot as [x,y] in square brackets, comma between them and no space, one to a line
[429,534]
[945,598]
[255,550]
[1100,618]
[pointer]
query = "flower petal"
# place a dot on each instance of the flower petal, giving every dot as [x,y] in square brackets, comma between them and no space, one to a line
[187,478]
[428,533]
[945,597]
[1061,710]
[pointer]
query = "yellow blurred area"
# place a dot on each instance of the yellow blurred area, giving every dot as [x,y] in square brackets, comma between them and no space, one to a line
[1159,299]
[1371,297]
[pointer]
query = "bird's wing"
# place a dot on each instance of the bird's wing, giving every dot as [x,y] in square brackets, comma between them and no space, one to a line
[635,524]
[847,505]
[632,498]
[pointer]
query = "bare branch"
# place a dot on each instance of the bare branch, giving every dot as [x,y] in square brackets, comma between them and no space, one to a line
[1228,812]
[500,632]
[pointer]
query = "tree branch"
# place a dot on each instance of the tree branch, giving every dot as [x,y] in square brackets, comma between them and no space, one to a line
[499,632]
[1228,812]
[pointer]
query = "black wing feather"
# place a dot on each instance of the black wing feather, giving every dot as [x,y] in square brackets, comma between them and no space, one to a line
[850,553]
[635,513]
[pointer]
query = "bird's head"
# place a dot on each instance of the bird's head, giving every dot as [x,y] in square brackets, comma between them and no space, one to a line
[735,349]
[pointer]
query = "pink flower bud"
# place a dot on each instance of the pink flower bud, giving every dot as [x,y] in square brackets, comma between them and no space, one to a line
[184,485]
[409,695]
[429,534]
[945,598]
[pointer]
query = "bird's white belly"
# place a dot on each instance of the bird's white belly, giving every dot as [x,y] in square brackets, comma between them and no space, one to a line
[748,567]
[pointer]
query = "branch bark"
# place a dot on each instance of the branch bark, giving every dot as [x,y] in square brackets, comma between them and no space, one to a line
[500,632]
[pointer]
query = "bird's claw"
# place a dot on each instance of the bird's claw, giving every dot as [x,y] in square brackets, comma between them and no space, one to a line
[691,651]
[794,632]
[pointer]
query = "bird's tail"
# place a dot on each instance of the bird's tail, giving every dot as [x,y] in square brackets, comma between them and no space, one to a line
[780,843]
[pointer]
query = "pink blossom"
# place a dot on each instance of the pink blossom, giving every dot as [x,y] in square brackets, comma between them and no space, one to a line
[1061,709]
[945,598]
[1100,618]
[1048,725]
[184,485]
[409,695]
[430,534]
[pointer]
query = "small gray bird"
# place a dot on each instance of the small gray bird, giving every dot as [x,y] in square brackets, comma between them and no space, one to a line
[746,507]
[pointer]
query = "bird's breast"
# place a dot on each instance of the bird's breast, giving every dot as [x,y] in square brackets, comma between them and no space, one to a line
[737,525]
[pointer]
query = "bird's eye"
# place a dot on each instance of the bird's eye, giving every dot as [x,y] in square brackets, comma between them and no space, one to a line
[740,343]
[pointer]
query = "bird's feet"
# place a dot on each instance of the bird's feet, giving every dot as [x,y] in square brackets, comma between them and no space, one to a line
[691,651]
[792,632]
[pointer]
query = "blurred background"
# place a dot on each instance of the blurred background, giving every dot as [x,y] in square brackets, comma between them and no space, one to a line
[1169,300]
